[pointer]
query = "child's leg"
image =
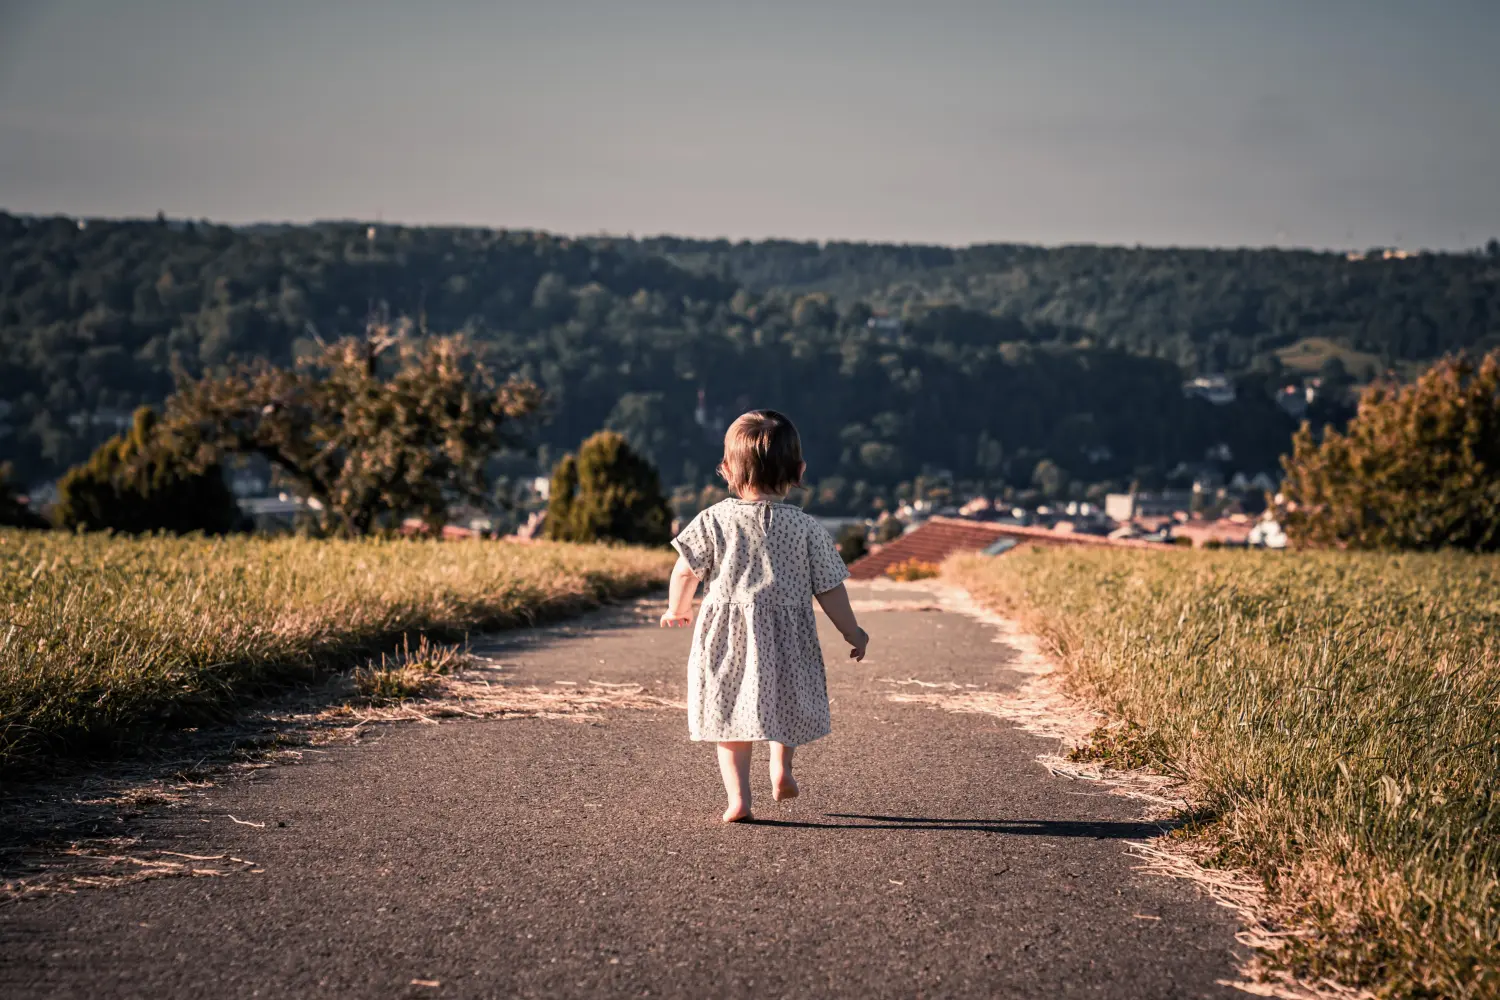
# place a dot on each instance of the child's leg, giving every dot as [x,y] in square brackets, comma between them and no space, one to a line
[783,785]
[734,767]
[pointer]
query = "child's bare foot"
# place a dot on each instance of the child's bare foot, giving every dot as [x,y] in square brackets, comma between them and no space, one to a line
[737,812]
[783,785]
[734,766]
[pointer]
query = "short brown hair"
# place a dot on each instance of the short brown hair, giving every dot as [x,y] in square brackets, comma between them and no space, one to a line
[762,451]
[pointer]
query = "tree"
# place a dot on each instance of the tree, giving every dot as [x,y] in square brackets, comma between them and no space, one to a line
[607,493]
[1049,477]
[373,429]
[136,482]
[1417,468]
[852,544]
[1335,374]
[643,419]
[560,496]
[14,511]
[879,457]
[813,310]
[989,457]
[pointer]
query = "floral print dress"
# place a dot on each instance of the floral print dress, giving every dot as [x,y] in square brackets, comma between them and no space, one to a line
[756,669]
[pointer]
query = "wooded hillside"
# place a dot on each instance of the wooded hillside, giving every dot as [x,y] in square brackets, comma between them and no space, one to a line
[1007,356]
[1208,310]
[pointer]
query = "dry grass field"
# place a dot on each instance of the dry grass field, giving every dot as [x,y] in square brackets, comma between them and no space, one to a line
[105,640]
[1337,717]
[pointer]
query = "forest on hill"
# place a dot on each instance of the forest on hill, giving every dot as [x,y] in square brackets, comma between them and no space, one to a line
[1020,366]
[1219,311]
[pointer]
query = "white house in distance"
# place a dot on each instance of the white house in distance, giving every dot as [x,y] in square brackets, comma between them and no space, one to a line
[1267,533]
[886,328]
[1123,507]
[1217,389]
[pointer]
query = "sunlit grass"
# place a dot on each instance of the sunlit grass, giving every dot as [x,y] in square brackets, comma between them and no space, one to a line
[107,639]
[1338,716]
[408,672]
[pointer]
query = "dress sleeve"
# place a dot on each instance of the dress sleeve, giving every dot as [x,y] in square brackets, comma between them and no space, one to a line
[825,568]
[695,544]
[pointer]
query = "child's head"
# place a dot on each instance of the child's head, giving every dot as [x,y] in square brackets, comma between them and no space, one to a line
[762,453]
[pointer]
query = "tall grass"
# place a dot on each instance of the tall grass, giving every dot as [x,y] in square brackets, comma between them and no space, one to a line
[1338,716]
[103,640]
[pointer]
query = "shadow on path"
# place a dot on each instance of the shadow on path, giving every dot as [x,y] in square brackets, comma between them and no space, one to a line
[1092,829]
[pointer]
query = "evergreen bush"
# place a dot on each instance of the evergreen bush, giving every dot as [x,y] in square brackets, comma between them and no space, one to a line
[607,493]
[851,543]
[134,483]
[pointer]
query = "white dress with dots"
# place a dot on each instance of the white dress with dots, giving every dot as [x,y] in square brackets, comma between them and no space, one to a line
[756,670]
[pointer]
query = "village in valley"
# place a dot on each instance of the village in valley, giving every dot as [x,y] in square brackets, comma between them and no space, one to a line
[1207,504]
[1213,512]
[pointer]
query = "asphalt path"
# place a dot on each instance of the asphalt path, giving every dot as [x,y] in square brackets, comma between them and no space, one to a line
[929,855]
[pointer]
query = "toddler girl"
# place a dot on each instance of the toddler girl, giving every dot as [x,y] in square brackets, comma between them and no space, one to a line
[756,670]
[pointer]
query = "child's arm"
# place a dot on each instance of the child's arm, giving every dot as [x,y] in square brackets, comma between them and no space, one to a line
[835,604]
[680,596]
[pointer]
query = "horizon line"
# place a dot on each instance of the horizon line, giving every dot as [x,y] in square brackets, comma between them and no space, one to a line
[1476,249]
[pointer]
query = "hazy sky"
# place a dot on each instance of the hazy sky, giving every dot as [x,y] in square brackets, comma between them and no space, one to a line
[1306,122]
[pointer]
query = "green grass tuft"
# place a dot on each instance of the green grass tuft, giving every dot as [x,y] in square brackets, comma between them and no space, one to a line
[407,673]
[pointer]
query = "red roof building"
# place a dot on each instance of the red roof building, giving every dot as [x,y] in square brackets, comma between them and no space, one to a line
[937,538]
[1222,531]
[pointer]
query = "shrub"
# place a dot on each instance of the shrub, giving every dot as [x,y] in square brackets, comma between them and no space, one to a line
[560,497]
[608,492]
[1417,468]
[912,569]
[889,529]
[135,482]
[15,512]
[851,543]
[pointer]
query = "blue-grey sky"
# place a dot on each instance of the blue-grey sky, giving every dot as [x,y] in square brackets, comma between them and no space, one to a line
[1294,122]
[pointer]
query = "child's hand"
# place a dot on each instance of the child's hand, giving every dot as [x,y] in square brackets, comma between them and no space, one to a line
[859,640]
[669,620]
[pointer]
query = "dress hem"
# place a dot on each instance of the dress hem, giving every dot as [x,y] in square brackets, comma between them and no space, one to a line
[698,738]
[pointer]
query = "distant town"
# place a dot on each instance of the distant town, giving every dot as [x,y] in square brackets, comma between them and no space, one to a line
[1212,514]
